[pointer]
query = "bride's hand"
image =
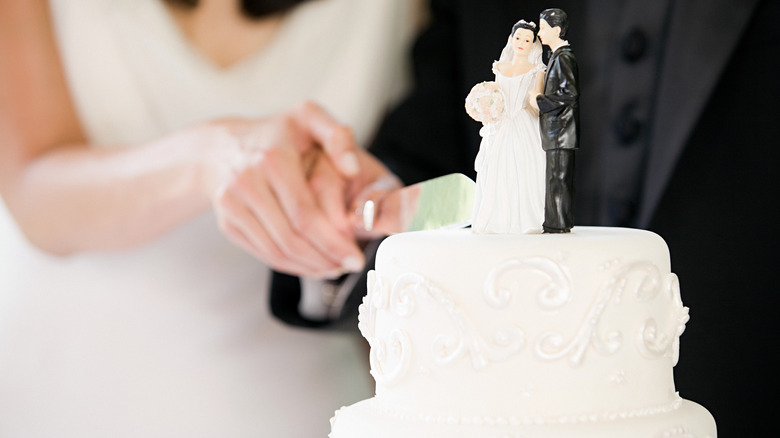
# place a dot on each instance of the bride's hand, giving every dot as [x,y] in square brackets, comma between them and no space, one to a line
[262,196]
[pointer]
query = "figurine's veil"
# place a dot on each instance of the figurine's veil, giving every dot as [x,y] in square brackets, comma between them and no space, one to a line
[535,55]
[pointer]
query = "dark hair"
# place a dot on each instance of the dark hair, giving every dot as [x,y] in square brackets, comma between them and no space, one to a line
[556,18]
[522,24]
[252,8]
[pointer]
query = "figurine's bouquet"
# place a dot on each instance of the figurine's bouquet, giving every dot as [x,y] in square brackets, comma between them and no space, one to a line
[485,102]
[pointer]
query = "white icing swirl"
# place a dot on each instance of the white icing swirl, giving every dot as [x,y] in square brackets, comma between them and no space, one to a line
[553,294]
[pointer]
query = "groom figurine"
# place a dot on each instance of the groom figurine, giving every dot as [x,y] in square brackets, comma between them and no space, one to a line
[559,121]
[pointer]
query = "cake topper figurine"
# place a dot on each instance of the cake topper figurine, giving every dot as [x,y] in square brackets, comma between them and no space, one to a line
[558,107]
[510,164]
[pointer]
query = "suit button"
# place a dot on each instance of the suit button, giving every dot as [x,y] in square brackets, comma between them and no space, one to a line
[628,127]
[634,45]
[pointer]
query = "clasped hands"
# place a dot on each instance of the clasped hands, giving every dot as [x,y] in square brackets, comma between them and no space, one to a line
[288,187]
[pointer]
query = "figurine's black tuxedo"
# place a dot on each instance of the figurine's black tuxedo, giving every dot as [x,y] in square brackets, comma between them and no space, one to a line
[559,115]
[709,180]
[559,110]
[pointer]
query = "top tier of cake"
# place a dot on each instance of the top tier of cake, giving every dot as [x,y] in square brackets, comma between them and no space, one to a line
[528,328]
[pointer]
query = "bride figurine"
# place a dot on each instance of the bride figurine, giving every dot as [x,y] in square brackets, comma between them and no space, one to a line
[510,164]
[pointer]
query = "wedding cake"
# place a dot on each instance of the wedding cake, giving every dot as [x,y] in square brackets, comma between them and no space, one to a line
[523,336]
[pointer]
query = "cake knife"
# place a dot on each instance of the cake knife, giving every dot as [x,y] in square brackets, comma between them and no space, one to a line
[438,203]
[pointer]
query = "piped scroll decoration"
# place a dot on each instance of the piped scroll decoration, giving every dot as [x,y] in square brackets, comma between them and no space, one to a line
[642,281]
[553,294]
[390,356]
[646,282]
[507,339]
[653,343]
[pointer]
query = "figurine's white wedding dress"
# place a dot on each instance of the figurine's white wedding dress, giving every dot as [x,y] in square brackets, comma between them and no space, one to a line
[511,164]
[174,338]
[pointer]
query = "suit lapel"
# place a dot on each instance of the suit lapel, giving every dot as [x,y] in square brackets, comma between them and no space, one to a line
[702,37]
[550,62]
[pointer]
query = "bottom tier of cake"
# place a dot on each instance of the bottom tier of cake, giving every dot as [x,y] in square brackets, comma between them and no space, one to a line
[367,418]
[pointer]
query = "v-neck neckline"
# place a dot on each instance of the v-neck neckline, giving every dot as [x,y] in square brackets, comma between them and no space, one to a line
[173,31]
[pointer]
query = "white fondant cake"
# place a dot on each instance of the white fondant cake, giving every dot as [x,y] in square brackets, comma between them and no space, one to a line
[512,336]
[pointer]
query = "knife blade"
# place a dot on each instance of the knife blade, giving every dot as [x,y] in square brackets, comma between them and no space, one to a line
[438,203]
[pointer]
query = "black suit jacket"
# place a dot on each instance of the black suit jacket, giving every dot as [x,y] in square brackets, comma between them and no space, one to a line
[559,102]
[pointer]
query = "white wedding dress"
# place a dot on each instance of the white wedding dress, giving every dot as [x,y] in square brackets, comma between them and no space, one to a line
[511,164]
[174,338]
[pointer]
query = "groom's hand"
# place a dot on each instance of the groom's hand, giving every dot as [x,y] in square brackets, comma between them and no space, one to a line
[343,199]
[532,102]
